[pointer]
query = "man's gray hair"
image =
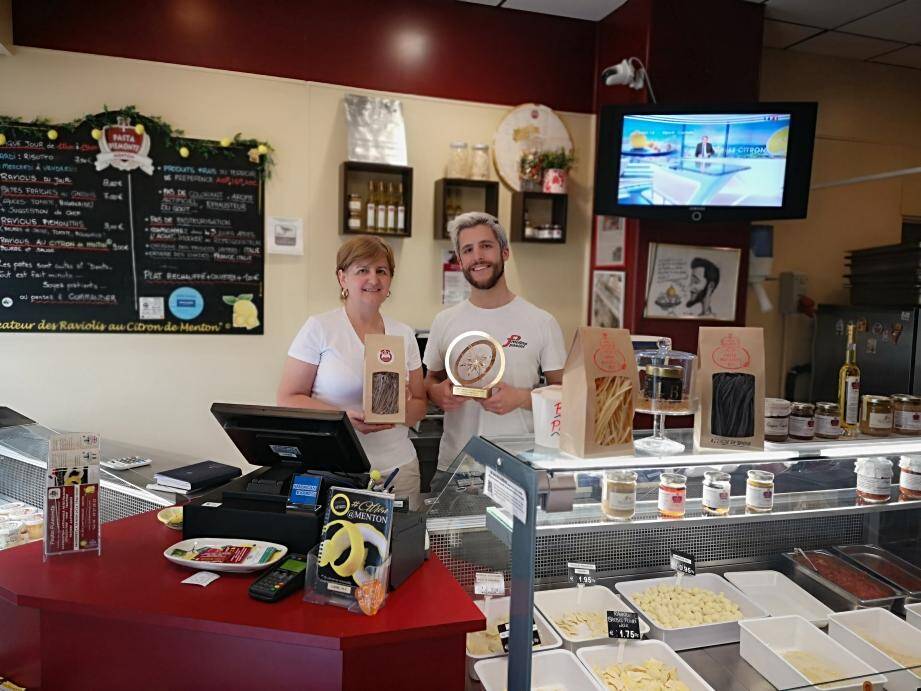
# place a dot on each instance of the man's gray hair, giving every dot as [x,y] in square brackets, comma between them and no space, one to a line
[476,218]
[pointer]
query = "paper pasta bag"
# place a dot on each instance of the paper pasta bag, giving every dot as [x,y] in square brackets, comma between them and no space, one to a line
[730,383]
[384,392]
[600,387]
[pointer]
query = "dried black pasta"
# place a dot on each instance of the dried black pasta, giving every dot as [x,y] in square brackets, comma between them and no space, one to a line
[385,393]
[732,410]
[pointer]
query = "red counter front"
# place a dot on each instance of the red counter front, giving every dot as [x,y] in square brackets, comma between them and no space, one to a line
[124,620]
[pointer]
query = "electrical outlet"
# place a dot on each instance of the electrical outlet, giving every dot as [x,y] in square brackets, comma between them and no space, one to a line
[793,285]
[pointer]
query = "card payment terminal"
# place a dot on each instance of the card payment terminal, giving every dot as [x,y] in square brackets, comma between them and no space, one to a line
[282,580]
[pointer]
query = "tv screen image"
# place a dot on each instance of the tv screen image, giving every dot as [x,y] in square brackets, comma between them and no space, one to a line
[704,160]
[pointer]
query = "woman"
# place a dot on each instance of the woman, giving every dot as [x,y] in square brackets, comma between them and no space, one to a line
[325,365]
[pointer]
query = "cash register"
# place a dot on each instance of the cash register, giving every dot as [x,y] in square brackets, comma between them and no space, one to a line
[287,442]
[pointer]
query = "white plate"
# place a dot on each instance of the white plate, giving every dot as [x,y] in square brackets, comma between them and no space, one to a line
[640,651]
[554,667]
[595,598]
[779,595]
[764,641]
[703,634]
[886,629]
[251,563]
[498,608]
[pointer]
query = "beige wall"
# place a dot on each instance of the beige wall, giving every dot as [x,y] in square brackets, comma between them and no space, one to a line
[869,122]
[156,390]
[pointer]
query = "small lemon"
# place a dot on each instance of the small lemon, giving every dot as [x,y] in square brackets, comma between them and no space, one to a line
[52,134]
[225,142]
[139,128]
[245,315]
[184,151]
[96,133]
[262,149]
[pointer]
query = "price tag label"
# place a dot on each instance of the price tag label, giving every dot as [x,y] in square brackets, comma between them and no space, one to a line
[682,562]
[492,584]
[503,636]
[581,573]
[624,625]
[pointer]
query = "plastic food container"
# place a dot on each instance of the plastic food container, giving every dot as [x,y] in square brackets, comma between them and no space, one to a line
[639,651]
[35,527]
[764,642]
[873,635]
[693,636]
[595,598]
[779,595]
[838,597]
[558,667]
[887,567]
[498,609]
[9,534]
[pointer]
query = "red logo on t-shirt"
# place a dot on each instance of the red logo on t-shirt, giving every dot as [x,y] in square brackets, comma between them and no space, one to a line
[515,341]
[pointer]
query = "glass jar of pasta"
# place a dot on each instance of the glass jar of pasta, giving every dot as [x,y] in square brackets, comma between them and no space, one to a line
[458,161]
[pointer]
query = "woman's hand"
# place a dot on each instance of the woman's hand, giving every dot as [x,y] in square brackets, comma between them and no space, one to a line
[358,422]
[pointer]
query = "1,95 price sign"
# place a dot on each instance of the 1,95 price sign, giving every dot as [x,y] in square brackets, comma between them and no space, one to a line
[581,574]
[682,562]
[624,625]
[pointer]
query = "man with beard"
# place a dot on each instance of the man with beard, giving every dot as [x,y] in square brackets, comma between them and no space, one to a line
[530,337]
[705,277]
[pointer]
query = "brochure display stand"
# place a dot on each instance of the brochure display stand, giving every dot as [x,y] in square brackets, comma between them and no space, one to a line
[72,495]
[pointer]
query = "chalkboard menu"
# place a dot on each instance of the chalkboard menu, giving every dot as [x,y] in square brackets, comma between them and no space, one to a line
[124,235]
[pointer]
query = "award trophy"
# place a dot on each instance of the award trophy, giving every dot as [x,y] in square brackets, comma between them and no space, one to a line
[475,363]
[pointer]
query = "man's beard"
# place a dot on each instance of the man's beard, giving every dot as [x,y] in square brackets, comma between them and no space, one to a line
[696,297]
[493,279]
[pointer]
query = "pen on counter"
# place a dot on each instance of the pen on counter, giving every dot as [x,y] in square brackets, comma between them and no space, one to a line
[389,480]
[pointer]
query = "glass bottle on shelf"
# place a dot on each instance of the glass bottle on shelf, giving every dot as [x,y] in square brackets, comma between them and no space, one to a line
[371,208]
[381,208]
[479,167]
[666,388]
[849,388]
[391,209]
[401,210]
[458,161]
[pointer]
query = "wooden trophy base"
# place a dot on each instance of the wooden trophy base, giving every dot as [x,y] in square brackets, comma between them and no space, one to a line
[471,392]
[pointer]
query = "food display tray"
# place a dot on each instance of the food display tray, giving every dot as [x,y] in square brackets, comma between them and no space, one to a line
[779,595]
[498,608]
[836,597]
[638,652]
[553,667]
[886,629]
[694,636]
[555,603]
[764,641]
[870,557]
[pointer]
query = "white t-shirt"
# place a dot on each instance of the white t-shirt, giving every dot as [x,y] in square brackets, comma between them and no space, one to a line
[531,339]
[329,341]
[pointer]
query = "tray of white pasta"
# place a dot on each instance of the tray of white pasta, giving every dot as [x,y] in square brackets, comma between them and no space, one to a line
[553,670]
[883,641]
[483,645]
[646,665]
[579,616]
[791,653]
[703,610]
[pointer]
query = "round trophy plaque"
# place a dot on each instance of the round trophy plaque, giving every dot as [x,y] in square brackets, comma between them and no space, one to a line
[475,363]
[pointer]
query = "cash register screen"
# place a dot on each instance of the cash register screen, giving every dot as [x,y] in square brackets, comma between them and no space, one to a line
[293,437]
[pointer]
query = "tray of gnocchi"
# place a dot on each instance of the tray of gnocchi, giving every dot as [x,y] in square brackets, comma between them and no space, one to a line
[704,610]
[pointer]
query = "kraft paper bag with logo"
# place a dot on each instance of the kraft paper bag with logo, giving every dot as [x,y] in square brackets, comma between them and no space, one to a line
[600,388]
[730,383]
[384,393]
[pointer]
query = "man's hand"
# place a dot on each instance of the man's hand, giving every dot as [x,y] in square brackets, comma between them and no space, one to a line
[505,399]
[358,422]
[442,396]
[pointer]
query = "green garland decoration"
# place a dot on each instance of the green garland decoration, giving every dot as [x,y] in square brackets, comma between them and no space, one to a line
[259,152]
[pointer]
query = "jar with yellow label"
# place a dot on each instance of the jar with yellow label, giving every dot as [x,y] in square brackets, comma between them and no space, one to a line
[759,491]
[906,414]
[876,415]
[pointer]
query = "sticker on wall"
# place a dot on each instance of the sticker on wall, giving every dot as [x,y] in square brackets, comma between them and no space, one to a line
[284,235]
[186,303]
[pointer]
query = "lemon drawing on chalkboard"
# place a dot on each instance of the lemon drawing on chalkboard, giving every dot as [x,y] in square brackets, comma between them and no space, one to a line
[245,312]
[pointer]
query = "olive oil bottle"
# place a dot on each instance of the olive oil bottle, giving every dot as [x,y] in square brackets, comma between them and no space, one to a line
[849,388]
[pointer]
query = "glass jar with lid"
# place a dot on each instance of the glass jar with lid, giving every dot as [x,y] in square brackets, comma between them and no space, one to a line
[776,419]
[874,480]
[802,421]
[479,165]
[759,491]
[876,415]
[673,490]
[910,477]
[906,414]
[827,420]
[458,161]
[717,492]
[618,494]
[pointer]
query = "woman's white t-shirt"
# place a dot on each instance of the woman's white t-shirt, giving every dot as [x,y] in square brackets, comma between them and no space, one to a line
[329,341]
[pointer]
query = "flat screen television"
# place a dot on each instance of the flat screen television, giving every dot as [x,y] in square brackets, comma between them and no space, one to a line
[705,163]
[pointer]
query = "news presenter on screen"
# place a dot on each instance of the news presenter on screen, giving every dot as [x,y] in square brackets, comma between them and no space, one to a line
[704,148]
[325,365]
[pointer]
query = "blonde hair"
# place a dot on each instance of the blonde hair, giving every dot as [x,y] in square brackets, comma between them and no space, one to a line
[363,248]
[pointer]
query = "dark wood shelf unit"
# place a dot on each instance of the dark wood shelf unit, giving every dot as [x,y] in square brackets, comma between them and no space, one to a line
[475,195]
[541,208]
[353,179]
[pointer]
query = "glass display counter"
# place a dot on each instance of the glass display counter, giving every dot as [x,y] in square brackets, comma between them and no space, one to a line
[767,537]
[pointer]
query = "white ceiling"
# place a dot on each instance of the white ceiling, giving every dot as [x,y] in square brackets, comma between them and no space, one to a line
[885,31]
